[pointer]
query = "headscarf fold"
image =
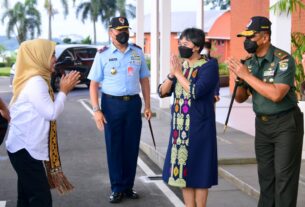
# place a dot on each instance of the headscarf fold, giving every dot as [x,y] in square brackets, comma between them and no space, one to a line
[34,58]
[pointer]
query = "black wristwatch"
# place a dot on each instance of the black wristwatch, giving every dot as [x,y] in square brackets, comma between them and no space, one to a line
[170,78]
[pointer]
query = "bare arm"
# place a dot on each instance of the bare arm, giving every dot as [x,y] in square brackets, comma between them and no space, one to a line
[146,95]
[98,115]
[241,95]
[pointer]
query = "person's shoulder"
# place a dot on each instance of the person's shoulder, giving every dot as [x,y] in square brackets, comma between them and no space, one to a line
[281,54]
[36,82]
[134,45]
[211,62]
[102,49]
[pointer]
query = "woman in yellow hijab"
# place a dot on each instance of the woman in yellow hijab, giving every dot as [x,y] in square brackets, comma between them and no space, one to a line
[32,139]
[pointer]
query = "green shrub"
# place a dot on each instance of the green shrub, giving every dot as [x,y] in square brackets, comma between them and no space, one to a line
[5,71]
[147,61]
[223,69]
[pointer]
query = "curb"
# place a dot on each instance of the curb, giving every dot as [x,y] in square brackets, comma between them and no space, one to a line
[249,190]
[158,159]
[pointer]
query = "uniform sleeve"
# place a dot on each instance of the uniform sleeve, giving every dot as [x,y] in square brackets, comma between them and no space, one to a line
[285,72]
[96,72]
[144,71]
[207,80]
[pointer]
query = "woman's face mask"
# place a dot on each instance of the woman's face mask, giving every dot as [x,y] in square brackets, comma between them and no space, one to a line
[185,52]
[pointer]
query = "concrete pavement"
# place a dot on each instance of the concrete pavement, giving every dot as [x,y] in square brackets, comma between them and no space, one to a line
[237,163]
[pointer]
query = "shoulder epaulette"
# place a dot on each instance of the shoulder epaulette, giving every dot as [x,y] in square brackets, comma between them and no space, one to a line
[102,49]
[135,45]
[280,54]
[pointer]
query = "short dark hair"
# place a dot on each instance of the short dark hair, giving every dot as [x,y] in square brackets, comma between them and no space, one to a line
[196,36]
[208,45]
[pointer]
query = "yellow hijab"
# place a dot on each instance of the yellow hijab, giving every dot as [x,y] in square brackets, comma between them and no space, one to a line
[33,58]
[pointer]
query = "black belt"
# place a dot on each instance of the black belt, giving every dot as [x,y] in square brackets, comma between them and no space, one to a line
[275,116]
[123,98]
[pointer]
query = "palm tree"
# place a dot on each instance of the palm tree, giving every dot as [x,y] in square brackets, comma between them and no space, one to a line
[288,6]
[51,12]
[23,20]
[93,9]
[125,10]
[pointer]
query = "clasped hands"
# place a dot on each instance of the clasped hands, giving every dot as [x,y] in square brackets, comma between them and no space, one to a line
[239,69]
[175,65]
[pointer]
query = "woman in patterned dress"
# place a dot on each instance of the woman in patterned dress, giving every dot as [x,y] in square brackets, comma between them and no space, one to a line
[191,159]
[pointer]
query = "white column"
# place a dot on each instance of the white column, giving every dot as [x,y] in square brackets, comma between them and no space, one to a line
[140,23]
[154,53]
[165,31]
[281,29]
[200,15]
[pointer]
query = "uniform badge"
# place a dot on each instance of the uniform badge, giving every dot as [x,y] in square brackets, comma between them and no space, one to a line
[130,71]
[113,71]
[271,80]
[272,64]
[283,65]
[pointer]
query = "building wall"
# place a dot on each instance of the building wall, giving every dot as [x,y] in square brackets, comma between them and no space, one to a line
[220,49]
[241,12]
[298,20]
[174,43]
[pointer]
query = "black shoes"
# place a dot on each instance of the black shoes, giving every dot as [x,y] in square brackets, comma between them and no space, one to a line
[116,197]
[131,194]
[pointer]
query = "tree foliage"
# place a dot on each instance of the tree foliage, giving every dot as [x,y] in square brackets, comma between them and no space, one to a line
[23,20]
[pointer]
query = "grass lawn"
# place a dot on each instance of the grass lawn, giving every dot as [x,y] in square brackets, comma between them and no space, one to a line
[5,71]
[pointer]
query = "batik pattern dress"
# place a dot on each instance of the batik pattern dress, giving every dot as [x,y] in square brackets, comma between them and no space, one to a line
[191,159]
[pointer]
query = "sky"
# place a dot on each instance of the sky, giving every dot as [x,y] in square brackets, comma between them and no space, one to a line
[75,28]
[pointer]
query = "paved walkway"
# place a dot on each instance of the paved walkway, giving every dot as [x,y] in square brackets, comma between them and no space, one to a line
[237,162]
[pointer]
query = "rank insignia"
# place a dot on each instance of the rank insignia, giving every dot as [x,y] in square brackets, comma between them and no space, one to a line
[113,71]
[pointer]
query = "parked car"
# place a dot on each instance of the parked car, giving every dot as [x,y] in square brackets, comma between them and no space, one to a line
[73,57]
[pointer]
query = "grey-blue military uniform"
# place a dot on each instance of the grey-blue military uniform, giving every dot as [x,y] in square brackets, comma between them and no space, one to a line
[120,75]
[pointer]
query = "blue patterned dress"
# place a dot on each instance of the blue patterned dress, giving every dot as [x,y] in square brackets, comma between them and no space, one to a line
[191,158]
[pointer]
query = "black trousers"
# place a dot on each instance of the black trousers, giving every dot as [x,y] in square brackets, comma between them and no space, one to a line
[278,148]
[33,186]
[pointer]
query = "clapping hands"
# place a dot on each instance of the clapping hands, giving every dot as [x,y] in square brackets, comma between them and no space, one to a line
[68,82]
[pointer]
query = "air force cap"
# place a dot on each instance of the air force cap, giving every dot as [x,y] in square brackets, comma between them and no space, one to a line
[119,23]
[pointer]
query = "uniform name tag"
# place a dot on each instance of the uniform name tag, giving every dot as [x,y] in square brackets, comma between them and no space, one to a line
[112,59]
[269,73]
